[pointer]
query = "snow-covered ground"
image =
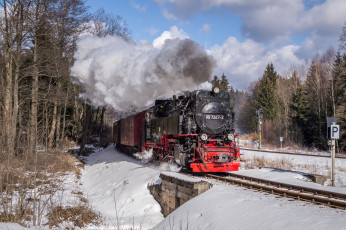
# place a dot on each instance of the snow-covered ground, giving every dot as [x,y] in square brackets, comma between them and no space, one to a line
[116,186]
[289,149]
[315,165]
[113,178]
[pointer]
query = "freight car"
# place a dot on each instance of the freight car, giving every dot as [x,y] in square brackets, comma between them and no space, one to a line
[194,130]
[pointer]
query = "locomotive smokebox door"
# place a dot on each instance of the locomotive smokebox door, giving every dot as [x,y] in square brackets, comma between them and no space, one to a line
[212,114]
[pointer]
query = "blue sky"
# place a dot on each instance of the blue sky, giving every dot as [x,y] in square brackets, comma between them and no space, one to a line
[146,21]
[242,36]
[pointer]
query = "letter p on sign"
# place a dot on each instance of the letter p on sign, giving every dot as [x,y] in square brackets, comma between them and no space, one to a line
[334,132]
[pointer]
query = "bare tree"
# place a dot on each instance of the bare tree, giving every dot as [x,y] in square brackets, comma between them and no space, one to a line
[67,17]
[12,34]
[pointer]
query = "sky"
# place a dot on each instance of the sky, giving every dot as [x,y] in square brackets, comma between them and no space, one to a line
[242,36]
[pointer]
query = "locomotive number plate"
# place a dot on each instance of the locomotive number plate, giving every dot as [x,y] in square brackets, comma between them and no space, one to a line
[214,117]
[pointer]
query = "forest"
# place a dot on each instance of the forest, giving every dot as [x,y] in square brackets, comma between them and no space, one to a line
[40,105]
[296,106]
[41,109]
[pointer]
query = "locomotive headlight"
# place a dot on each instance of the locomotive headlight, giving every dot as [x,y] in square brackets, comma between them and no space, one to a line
[230,137]
[216,90]
[204,137]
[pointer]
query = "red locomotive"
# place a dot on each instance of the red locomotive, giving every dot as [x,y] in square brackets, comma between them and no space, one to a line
[194,131]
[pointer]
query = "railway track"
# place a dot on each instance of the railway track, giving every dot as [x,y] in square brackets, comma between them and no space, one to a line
[291,153]
[316,196]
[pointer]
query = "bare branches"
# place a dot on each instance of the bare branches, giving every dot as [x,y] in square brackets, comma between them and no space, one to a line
[104,24]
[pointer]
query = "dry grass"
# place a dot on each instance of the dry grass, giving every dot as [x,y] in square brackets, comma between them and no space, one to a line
[282,164]
[262,161]
[30,183]
[342,169]
[341,182]
[79,216]
[249,136]
[269,143]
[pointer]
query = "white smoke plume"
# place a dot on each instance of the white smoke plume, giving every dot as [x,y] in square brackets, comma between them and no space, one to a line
[125,75]
[144,156]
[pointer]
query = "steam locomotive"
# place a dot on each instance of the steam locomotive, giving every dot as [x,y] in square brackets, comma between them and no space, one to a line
[194,131]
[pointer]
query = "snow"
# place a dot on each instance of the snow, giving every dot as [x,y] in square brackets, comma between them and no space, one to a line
[14,226]
[288,177]
[224,206]
[231,207]
[182,177]
[306,164]
[116,186]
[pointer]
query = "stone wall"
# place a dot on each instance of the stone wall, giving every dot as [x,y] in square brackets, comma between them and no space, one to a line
[176,190]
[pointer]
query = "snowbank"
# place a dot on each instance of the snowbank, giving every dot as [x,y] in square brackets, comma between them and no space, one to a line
[117,187]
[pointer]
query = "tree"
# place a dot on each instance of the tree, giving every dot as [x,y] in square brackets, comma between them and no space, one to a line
[216,82]
[339,80]
[67,18]
[266,94]
[342,39]
[299,115]
[12,24]
[246,119]
[104,24]
[317,88]
[224,83]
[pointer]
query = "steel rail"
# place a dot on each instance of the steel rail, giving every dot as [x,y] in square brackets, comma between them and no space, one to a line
[326,193]
[317,196]
[292,153]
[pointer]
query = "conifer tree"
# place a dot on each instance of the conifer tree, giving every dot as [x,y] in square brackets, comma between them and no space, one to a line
[266,93]
[224,83]
[300,110]
[215,82]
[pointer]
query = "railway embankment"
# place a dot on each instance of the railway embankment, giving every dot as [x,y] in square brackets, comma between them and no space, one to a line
[176,189]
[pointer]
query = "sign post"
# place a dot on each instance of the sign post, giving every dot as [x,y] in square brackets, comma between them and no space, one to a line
[333,133]
[259,114]
[281,140]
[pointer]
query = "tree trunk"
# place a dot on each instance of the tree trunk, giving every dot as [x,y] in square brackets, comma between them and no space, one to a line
[53,126]
[34,103]
[58,125]
[8,106]
[86,125]
[64,117]
[102,118]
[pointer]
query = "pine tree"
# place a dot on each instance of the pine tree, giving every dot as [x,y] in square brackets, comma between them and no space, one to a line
[216,82]
[342,39]
[300,110]
[266,94]
[224,83]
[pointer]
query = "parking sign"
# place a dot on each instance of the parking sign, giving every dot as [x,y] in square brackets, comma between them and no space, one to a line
[334,131]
